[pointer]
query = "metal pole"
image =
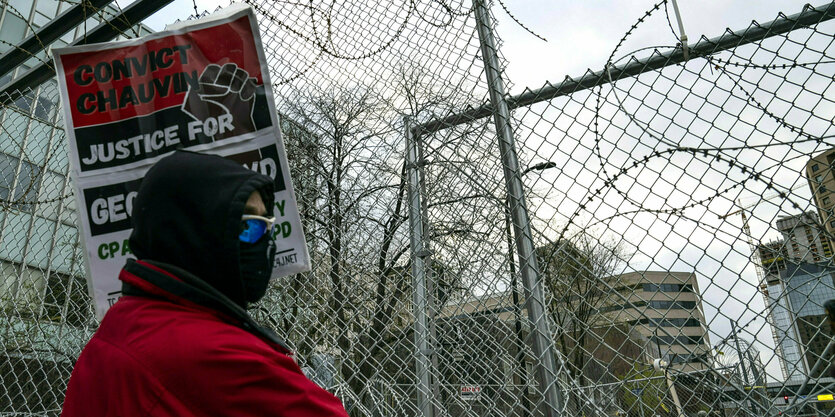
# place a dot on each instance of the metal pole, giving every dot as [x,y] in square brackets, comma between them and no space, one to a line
[131,15]
[671,385]
[51,31]
[759,384]
[430,279]
[542,342]
[418,253]
[520,338]
[658,343]
[746,382]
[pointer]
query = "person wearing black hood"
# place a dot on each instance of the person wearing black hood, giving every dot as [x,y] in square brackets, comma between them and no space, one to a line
[179,341]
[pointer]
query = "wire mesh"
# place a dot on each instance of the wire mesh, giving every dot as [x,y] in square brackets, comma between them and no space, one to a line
[677,207]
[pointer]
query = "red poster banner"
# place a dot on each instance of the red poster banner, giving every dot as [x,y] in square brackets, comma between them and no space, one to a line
[202,86]
[116,84]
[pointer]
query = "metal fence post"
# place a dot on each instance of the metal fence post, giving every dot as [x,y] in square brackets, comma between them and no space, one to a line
[418,252]
[517,315]
[431,280]
[543,345]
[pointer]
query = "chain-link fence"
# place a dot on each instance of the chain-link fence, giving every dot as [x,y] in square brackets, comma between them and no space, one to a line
[650,239]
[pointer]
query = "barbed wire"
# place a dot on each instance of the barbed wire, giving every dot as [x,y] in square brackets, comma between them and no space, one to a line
[660,138]
[609,62]
[371,365]
[790,65]
[518,22]
[12,203]
[750,98]
[196,13]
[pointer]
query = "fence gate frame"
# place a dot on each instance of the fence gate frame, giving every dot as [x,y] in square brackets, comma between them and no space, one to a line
[499,108]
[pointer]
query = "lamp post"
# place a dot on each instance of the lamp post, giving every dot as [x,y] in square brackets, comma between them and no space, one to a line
[542,166]
[514,290]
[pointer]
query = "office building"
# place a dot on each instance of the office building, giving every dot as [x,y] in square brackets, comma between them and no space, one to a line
[40,255]
[798,318]
[44,306]
[798,279]
[805,240]
[665,307]
[774,256]
[808,287]
[819,173]
[642,316]
[659,309]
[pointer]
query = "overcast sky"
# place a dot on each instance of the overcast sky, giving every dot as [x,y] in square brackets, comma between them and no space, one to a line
[581,35]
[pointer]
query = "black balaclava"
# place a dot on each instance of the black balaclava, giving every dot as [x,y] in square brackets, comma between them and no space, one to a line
[256,260]
[187,213]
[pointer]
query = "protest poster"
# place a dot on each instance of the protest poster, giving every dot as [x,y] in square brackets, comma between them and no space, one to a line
[202,86]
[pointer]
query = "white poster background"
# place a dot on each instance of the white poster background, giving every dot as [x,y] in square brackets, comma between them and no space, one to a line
[106,254]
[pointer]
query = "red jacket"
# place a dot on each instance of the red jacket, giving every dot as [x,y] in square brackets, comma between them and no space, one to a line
[161,354]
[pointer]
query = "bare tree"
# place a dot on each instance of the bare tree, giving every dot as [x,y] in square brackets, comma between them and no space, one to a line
[346,149]
[351,203]
[578,276]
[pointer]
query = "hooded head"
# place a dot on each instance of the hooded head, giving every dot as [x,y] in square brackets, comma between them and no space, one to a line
[187,213]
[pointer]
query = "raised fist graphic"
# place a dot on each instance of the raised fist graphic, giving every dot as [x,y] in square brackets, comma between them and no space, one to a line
[225,94]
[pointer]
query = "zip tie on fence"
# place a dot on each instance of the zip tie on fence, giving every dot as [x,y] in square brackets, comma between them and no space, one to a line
[683,37]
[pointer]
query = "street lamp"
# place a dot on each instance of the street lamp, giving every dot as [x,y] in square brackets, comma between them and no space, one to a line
[540,167]
[523,379]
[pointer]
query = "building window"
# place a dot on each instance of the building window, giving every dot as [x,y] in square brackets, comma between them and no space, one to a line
[620,307]
[8,166]
[43,108]
[815,168]
[24,103]
[660,304]
[28,182]
[649,287]
[677,340]
[66,300]
[692,358]
[13,30]
[825,201]
[47,7]
[662,322]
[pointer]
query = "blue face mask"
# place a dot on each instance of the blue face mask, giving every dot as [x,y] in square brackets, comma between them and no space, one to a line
[256,265]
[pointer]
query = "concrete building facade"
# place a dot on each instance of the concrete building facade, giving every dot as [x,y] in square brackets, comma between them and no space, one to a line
[821,177]
[41,275]
[666,308]
[663,308]
[44,304]
[804,239]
